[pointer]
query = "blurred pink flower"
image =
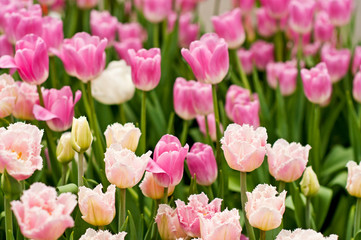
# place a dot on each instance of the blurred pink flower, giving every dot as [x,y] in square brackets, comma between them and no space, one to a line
[91,234]
[6,47]
[301,15]
[337,61]
[130,31]
[339,11]
[277,8]
[202,98]
[266,25]
[211,126]
[156,11]
[103,25]
[8,95]
[246,58]
[25,101]
[86,4]
[262,53]
[187,31]
[168,223]
[123,47]
[183,99]
[323,30]
[52,33]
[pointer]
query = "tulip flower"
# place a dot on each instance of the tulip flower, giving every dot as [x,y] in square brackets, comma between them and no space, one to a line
[126,135]
[337,62]
[50,212]
[53,34]
[6,7]
[246,58]
[353,179]
[123,47]
[323,29]
[211,126]
[81,136]
[91,234]
[301,15]
[266,25]
[264,209]
[6,47]
[64,150]
[202,98]
[168,223]
[31,60]
[303,234]
[339,11]
[27,97]
[187,32]
[277,8]
[309,183]
[103,25]
[8,95]
[183,98]
[86,4]
[156,11]
[20,148]
[186,5]
[151,189]
[131,31]
[262,54]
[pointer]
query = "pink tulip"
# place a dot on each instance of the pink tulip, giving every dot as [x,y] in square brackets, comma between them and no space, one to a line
[156,11]
[188,32]
[246,5]
[41,214]
[229,27]
[31,60]
[337,61]
[317,83]
[58,110]
[323,27]
[52,33]
[246,112]
[339,11]
[277,8]
[287,161]
[288,79]
[8,95]
[262,53]
[274,70]
[123,168]
[266,25]
[123,47]
[183,92]
[235,93]
[83,56]
[5,8]
[131,31]
[222,226]
[246,58]
[211,126]
[303,234]
[168,161]
[208,58]
[151,189]
[186,5]
[244,147]
[202,98]
[6,47]
[356,63]
[264,209]
[25,101]
[145,66]
[22,22]
[202,163]
[356,90]
[103,25]
[86,4]
[188,214]
[301,15]
[353,179]
[58,6]
[46,2]
[97,208]
[168,223]
[91,234]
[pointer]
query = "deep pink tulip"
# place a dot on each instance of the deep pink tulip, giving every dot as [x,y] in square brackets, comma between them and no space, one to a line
[337,61]
[145,66]
[6,7]
[202,163]
[20,147]
[22,22]
[229,27]
[188,31]
[211,126]
[273,71]
[58,6]
[156,11]
[246,58]
[262,54]
[31,60]
[323,30]
[168,161]
[123,47]
[266,25]
[183,92]
[288,79]
[339,11]
[25,101]
[208,58]
[131,31]
[246,6]
[83,56]
[188,214]
[317,83]
[244,147]
[86,4]
[58,110]
[52,33]
[6,47]
[41,214]
[287,161]
[186,5]
[202,98]
[103,25]
[356,62]
[356,90]
[246,112]
[8,95]
[235,94]
[277,8]
[301,15]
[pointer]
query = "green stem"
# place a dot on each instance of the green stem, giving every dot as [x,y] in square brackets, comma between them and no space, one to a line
[184,132]
[299,51]
[216,116]
[80,169]
[262,235]
[122,113]
[357,216]
[165,196]
[240,70]
[308,212]
[122,209]
[208,136]
[281,186]
[155,35]
[64,172]
[244,200]
[278,42]
[8,218]
[210,192]
[143,124]
[54,81]
[316,138]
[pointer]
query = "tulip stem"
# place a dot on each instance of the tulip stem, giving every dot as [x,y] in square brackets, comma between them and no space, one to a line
[240,70]
[8,218]
[54,81]
[244,200]
[281,186]
[278,43]
[143,124]
[316,137]
[165,196]
[262,235]
[122,114]
[80,169]
[122,211]
[184,132]
[216,116]
[155,35]
[210,192]
[64,172]
[357,217]
[308,212]
[208,137]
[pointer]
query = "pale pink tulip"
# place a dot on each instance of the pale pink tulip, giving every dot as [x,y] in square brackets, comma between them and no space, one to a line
[126,135]
[8,95]
[52,33]
[208,58]
[145,66]
[339,11]
[168,161]
[91,234]
[337,61]
[277,8]
[27,97]
[323,30]
[156,11]
[303,234]
[202,163]
[264,209]
[168,223]
[123,168]
[356,90]
[317,83]
[97,208]
[244,147]
[41,214]
[354,179]
[356,63]
[262,54]
[86,4]
[31,60]
[151,189]
[183,98]
[6,47]
[222,226]
[123,47]
[20,147]
[103,25]
[287,161]
[188,214]
[83,56]
[131,31]
[211,126]
[246,58]
[301,15]
[266,25]
[58,110]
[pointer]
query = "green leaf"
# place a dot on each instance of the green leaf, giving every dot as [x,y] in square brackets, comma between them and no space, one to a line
[132,229]
[264,107]
[358,235]
[339,180]
[299,204]
[282,126]
[125,224]
[321,204]
[72,188]
[10,186]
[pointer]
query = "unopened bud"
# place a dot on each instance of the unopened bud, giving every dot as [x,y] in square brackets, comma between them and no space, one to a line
[81,136]
[64,150]
[309,183]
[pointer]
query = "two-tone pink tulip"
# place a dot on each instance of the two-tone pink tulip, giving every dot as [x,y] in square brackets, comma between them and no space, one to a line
[266,25]
[277,8]
[301,15]
[183,98]
[156,11]
[103,25]
[246,58]
[337,61]
[53,34]
[151,189]
[262,54]
[211,126]
[323,29]
[339,11]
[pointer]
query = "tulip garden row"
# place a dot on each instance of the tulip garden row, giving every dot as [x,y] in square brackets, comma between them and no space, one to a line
[127,120]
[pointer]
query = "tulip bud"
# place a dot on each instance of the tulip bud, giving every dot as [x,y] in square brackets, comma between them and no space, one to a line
[309,183]
[81,136]
[354,179]
[64,150]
